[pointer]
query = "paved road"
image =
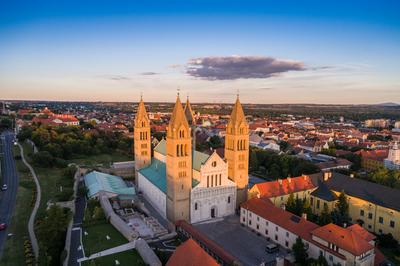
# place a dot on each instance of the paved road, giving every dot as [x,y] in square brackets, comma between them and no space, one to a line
[75,248]
[10,177]
[31,223]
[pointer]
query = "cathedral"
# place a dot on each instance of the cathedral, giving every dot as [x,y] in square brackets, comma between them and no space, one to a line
[182,183]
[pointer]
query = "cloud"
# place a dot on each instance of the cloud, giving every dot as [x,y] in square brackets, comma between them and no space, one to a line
[115,77]
[148,73]
[240,67]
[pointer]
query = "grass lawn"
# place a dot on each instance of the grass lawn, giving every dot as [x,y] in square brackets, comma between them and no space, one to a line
[96,241]
[14,248]
[103,159]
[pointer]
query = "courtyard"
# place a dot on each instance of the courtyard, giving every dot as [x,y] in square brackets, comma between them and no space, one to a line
[239,241]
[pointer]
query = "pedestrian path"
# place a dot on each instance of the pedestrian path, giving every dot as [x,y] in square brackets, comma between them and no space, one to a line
[124,247]
[31,222]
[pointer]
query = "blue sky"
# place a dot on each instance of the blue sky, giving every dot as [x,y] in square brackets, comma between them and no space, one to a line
[271,51]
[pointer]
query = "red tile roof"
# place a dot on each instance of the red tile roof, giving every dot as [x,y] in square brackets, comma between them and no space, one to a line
[284,186]
[264,208]
[191,254]
[345,238]
[378,155]
[361,232]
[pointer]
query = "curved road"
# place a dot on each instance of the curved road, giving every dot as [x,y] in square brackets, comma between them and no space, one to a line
[9,177]
[31,223]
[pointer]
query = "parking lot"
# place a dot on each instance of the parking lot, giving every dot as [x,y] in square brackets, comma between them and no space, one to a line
[242,243]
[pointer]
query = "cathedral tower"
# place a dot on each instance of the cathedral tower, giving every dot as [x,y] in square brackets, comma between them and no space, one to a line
[237,151]
[178,164]
[141,133]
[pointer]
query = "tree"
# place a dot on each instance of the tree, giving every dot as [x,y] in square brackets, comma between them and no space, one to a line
[290,203]
[325,217]
[307,208]
[215,142]
[253,161]
[51,233]
[341,212]
[300,252]
[43,159]
[98,214]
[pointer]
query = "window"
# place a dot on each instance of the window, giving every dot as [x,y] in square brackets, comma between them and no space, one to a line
[266,231]
[195,206]
[276,237]
[249,222]
[380,220]
[370,215]
[325,205]
[258,218]
[392,224]
[286,243]
[214,164]
[229,200]
[244,219]
[312,201]
[250,214]
[258,227]
[380,231]
[318,204]
[266,223]
[330,257]
[369,226]
[361,212]
[287,234]
[208,181]
[276,228]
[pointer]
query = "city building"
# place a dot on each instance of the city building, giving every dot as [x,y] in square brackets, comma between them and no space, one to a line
[339,246]
[372,160]
[190,253]
[393,159]
[184,184]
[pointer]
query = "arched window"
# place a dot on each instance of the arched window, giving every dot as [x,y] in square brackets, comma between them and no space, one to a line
[238,145]
[219,179]
[186,150]
[195,206]
[142,123]
[182,152]
[229,199]
[177,150]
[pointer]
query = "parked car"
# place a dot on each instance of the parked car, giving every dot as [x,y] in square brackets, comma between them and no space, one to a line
[272,248]
[4,187]
[3,226]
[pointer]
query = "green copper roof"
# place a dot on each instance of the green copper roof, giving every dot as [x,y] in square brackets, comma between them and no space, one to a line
[199,158]
[156,173]
[97,181]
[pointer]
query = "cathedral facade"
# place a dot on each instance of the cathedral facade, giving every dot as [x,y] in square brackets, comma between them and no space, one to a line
[184,184]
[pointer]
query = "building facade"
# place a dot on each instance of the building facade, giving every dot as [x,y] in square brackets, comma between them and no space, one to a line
[184,184]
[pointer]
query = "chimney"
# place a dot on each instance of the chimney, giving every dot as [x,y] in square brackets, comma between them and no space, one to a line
[344,225]
[327,175]
[289,179]
[304,216]
[280,181]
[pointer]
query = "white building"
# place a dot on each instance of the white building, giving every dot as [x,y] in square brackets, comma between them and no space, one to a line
[393,159]
[339,246]
[213,194]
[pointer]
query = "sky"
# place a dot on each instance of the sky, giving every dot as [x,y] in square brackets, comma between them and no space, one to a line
[339,52]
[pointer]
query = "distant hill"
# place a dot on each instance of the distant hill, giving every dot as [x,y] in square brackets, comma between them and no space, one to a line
[389,104]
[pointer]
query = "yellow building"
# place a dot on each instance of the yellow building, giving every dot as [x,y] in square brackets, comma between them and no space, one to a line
[237,151]
[179,165]
[322,198]
[141,135]
[278,191]
[375,207]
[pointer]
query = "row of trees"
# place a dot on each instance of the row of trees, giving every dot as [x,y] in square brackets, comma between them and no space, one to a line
[273,166]
[51,231]
[339,215]
[60,143]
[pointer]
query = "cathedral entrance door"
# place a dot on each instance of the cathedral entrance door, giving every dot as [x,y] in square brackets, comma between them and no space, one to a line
[213,212]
